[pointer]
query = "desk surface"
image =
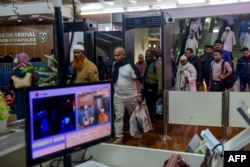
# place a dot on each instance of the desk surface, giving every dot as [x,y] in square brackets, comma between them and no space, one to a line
[91,164]
[11,142]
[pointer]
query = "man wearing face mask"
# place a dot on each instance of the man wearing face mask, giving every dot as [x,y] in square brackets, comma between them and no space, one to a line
[86,71]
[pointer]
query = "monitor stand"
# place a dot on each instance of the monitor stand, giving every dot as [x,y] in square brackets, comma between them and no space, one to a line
[67,160]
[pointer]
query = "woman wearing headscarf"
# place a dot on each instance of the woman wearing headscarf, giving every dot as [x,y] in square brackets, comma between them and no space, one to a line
[23,62]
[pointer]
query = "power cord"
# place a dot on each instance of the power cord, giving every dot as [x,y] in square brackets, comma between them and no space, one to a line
[58,160]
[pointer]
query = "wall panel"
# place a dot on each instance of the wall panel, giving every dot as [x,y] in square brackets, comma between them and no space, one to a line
[27,38]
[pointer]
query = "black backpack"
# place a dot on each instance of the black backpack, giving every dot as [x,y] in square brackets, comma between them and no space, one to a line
[229,81]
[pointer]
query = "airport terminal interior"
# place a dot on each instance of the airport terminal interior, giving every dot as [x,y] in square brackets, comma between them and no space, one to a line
[37,26]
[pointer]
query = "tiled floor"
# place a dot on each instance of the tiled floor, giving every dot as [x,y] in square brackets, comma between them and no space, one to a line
[180,136]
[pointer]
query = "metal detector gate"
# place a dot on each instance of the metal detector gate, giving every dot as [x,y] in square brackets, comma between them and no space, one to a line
[147,20]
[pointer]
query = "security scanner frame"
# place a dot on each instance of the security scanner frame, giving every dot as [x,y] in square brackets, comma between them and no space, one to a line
[147,20]
[70,28]
[82,32]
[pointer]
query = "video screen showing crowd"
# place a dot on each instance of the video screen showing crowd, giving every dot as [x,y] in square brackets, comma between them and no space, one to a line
[71,112]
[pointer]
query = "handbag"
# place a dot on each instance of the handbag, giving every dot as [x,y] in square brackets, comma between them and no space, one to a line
[22,82]
[213,158]
[175,161]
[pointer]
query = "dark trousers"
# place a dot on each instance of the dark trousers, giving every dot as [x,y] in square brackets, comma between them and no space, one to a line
[150,93]
[217,86]
[243,83]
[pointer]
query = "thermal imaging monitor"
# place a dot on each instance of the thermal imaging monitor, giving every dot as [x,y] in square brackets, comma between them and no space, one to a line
[64,119]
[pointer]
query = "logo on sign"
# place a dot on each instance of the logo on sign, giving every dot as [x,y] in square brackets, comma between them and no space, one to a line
[43,36]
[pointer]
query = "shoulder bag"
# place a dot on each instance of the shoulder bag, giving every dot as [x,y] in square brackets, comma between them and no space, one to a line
[22,82]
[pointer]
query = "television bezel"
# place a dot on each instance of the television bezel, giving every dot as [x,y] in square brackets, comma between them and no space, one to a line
[28,141]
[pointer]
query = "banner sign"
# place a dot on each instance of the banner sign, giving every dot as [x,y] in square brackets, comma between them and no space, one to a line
[22,38]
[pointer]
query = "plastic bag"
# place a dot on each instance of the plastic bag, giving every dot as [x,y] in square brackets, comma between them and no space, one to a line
[236,86]
[213,158]
[159,106]
[140,120]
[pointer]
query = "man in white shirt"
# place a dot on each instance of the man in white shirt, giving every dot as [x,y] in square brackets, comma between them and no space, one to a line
[192,43]
[127,86]
[220,70]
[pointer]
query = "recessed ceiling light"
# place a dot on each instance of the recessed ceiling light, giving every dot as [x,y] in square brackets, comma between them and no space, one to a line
[182,2]
[132,1]
[109,2]
[40,19]
[113,10]
[19,20]
[91,7]
[215,2]
[138,8]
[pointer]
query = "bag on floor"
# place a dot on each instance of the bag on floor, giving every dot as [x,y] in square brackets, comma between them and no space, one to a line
[175,161]
[140,120]
[213,158]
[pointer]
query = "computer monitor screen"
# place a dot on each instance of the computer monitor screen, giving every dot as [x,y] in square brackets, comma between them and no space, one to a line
[64,119]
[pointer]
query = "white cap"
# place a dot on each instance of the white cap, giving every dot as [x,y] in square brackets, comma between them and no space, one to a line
[78,47]
[183,57]
[227,28]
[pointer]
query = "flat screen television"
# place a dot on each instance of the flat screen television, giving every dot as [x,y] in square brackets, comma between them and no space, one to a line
[64,119]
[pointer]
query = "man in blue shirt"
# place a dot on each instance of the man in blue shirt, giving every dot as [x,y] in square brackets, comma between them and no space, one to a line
[243,30]
[206,60]
[243,69]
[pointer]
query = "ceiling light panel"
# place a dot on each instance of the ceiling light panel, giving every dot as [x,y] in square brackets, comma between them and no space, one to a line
[132,1]
[91,7]
[184,2]
[138,8]
[113,10]
[164,6]
[215,2]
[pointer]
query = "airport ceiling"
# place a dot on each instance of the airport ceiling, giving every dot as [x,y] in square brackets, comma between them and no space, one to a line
[16,7]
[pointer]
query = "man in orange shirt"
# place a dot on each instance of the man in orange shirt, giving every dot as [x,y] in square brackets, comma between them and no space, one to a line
[86,71]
